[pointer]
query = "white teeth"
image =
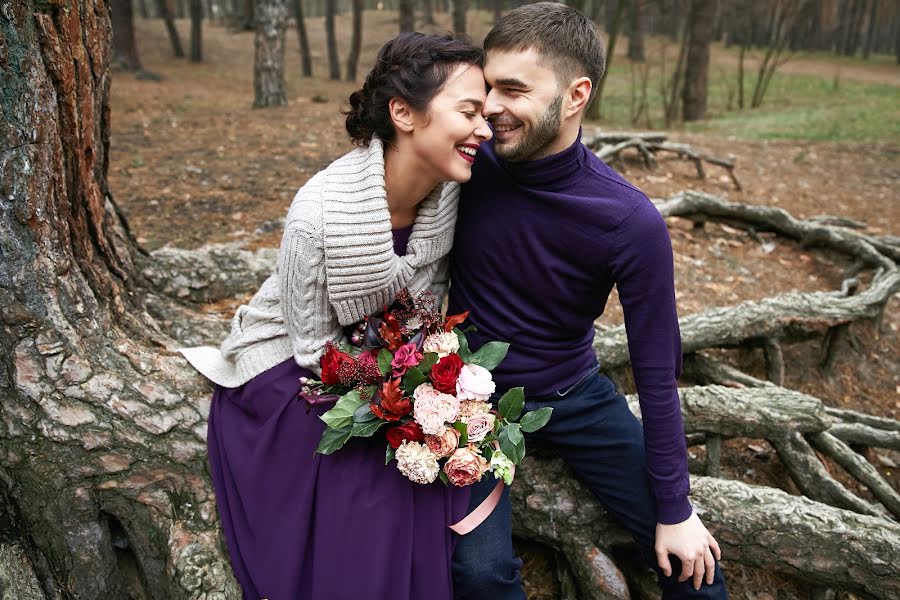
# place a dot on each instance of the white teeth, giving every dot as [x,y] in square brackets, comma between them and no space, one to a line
[467,150]
[504,128]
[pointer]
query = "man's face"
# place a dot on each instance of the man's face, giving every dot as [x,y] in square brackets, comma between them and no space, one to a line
[524,104]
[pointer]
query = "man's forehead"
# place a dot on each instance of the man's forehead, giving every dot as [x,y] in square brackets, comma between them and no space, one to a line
[522,64]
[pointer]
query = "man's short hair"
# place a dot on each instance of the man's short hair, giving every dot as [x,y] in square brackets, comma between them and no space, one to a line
[566,38]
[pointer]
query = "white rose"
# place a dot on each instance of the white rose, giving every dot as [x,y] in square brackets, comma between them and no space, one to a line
[474,383]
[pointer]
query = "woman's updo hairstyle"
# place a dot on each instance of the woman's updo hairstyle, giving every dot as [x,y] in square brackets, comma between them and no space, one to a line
[413,66]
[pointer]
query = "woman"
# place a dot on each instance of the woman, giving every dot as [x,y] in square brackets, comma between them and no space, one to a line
[300,525]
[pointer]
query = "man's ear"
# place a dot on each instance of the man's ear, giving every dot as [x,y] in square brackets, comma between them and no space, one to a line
[401,115]
[578,94]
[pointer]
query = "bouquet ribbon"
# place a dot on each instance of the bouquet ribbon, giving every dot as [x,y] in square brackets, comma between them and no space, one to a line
[483,510]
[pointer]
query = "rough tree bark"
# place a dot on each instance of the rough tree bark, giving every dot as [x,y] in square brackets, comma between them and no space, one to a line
[460,8]
[334,68]
[268,71]
[696,71]
[125,53]
[165,13]
[102,438]
[636,32]
[196,9]
[406,15]
[614,24]
[356,40]
[303,39]
[428,12]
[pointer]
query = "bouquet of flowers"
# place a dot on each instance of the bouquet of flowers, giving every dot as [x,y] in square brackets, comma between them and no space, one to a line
[412,373]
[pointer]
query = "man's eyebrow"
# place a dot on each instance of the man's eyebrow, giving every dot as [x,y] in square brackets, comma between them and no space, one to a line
[511,82]
[474,101]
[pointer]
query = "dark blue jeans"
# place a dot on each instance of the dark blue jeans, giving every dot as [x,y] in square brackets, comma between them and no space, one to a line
[593,431]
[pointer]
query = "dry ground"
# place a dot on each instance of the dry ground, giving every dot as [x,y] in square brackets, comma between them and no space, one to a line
[191,163]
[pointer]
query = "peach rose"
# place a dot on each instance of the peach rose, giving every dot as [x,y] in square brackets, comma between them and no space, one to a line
[480,425]
[465,467]
[443,444]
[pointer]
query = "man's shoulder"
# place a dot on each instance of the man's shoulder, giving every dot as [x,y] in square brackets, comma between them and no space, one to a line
[610,180]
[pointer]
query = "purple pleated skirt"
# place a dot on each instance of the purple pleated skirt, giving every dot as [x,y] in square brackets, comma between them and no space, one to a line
[303,526]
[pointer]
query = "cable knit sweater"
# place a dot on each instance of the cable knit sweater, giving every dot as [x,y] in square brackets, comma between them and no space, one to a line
[336,265]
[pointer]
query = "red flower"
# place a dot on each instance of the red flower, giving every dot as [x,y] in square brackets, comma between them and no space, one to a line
[390,404]
[444,373]
[368,367]
[406,356]
[332,362]
[408,431]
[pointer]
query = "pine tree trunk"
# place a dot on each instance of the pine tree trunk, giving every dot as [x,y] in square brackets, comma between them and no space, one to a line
[356,40]
[498,10]
[870,32]
[143,11]
[406,15]
[615,23]
[334,68]
[428,12]
[636,37]
[696,85]
[196,7]
[268,72]
[460,7]
[303,39]
[125,54]
[102,449]
[166,15]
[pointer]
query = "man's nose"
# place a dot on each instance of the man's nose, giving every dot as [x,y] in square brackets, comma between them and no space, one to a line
[492,105]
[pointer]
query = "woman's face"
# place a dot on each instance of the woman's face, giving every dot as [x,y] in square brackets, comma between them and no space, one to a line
[446,136]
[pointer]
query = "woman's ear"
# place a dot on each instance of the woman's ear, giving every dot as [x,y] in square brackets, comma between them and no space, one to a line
[401,115]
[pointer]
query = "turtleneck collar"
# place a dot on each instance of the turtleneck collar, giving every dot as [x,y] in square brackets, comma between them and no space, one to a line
[551,171]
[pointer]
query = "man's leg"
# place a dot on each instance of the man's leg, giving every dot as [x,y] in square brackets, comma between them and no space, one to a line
[485,566]
[593,430]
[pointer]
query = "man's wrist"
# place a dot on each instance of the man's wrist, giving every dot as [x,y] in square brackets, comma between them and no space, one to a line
[673,510]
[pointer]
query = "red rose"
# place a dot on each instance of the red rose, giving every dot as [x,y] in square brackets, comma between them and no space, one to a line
[390,404]
[408,431]
[444,373]
[331,363]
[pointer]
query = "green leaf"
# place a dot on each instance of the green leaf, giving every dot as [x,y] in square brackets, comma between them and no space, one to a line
[341,415]
[427,362]
[513,451]
[384,361]
[366,429]
[444,477]
[463,351]
[512,403]
[388,454]
[364,413]
[463,430]
[413,379]
[333,439]
[470,328]
[534,420]
[490,355]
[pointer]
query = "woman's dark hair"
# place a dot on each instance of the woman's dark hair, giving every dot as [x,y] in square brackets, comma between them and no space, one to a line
[413,66]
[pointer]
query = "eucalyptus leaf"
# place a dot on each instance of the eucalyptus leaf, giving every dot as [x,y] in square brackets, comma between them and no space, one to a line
[490,355]
[512,403]
[514,452]
[364,413]
[534,420]
[341,415]
[333,440]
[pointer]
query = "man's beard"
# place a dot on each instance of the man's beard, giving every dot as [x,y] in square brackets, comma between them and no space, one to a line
[539,139]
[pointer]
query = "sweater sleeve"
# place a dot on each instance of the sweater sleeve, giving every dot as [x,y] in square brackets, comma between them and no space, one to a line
[304,299]
[644,272]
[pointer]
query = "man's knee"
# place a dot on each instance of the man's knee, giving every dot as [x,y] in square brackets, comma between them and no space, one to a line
[486,575]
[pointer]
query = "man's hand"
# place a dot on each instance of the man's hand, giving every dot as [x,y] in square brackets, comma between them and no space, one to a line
[693,545]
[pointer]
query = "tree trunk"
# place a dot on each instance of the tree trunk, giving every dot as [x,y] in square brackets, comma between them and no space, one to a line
[636,37]
[166,15]
[102,450]
[460,7]
[406,15]
[594,110]
[696,85]
[268,72]
[498,10]
[143,11]
[125,54]
[871,30]
[428,12]
[196,7]
[303,39]
[356,40]
[334,68]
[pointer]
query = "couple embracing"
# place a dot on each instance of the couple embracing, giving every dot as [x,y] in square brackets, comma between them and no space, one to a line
[469,176]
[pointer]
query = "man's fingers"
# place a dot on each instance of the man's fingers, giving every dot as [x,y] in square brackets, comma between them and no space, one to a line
[687,569]
[662,557]
[710,567]
[698,572]
[714,545]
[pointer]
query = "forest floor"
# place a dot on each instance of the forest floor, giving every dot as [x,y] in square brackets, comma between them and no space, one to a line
[191,163]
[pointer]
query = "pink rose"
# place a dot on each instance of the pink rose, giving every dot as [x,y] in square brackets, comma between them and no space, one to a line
[474,383]
[406,356]
[465,467]
[479,426]
[443,444]
[432,409]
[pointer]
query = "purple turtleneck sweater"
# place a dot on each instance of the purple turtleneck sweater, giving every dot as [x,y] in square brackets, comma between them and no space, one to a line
[539,246]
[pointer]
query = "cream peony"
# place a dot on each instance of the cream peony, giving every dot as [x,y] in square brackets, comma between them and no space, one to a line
[467,408]
[432,409]
[443,343]
[474,383]
[417,462]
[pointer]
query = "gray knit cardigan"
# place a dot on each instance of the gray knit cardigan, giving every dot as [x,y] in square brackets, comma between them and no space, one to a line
[336,265]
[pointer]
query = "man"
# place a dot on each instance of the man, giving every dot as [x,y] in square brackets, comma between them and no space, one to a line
[545,230]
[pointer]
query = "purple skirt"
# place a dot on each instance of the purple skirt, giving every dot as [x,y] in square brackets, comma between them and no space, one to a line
[303,526]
